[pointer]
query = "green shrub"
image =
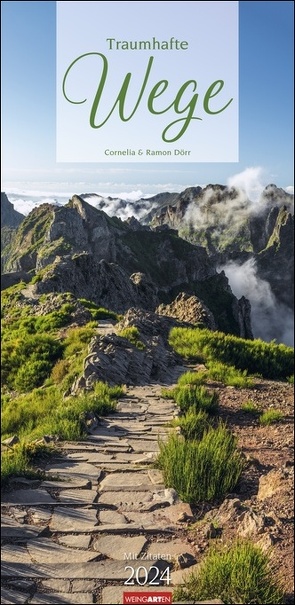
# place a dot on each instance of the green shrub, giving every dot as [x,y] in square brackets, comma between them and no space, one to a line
[31,375]
[98,312]
[196,378]
[201,470]
[195,396]
[256,356]
[60,370]
[34,355]
[271,417]
[229,375]
[291,379]
[44,411]
[18,461]
[78,338]
[193,425]
[132,334]
[237,573]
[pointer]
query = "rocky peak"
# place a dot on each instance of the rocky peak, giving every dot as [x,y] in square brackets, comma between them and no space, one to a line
[9,216]
[189,309]
[113,358]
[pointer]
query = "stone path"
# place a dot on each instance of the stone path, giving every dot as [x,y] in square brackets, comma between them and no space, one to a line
[101,515]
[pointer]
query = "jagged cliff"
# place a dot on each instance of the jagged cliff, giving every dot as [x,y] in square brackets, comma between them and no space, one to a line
[9,216]
[10,220]
[235,229]
[80,249]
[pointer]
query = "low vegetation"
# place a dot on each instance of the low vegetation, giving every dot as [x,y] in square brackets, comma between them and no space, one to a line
[229,375]
[45,412]
[191,396]
[255,356]
[42,355]
[192,425]
[132,334]
[201,470]
[237,573]
[271,417]
[98,312]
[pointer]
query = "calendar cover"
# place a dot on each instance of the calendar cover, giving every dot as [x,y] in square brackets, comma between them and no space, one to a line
[147,237]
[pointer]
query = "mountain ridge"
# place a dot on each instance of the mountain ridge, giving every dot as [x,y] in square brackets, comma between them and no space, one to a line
[80,249]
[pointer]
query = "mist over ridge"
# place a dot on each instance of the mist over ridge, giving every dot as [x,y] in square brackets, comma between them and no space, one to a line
[246,228]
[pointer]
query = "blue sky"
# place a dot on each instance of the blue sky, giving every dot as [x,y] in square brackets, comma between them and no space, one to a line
[28,109]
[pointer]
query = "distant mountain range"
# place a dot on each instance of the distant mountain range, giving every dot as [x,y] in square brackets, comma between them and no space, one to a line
[181,243]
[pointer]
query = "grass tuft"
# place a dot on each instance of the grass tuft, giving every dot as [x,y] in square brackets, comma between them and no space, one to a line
[132,334]
[192,425]
[271,417]
[229,375]
[193,378]
[237,573]
[256,356]
[201,470]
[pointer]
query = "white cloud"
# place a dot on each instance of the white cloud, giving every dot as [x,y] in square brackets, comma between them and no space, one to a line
[252,181]
[270,319]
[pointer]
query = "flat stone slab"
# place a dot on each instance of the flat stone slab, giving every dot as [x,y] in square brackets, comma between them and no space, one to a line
[181,575]
[126,500]
[155,476]
[112,467]
[27,496]
[179,512]
[46,551]
[39,515]
[141,445]
[77,497]
[112,517]
[98,457]
[122,479]
[81,542]
[83,586]
[96,570]
[68,484]
[56,598]
[10,528]
[101,435]
[79,470]
[103,459]
[15,554]
[119,547]
[168,550]
[13,596]
[155,519]
[77,446]
[57,585]
[143,487]
[73,520]
[28,585]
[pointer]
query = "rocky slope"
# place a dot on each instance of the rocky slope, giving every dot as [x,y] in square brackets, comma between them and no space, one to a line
[10,220]
[232,228]
[80,249]
[9,216]
[253,242]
